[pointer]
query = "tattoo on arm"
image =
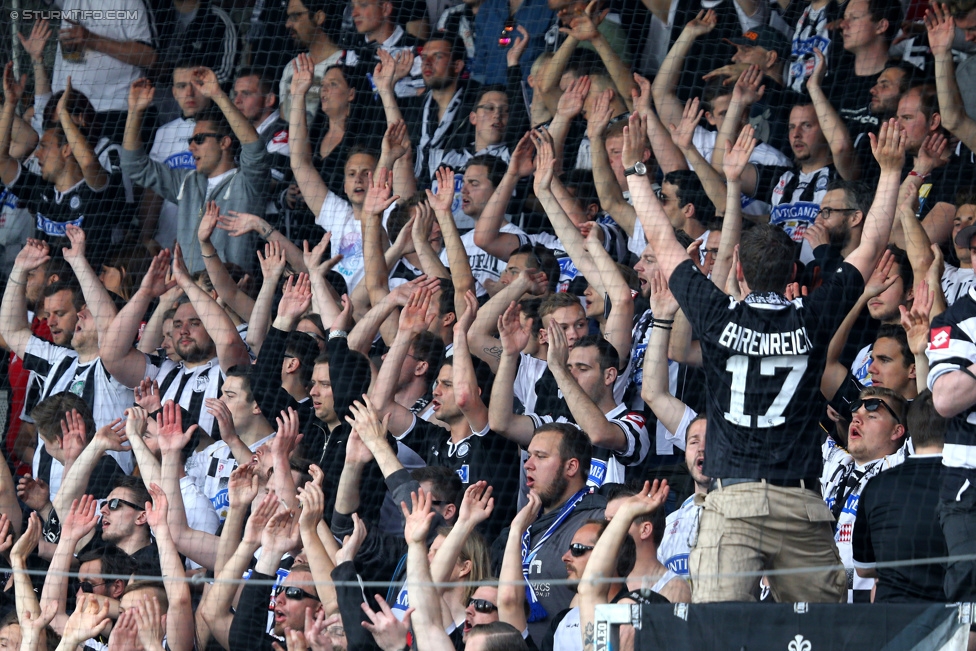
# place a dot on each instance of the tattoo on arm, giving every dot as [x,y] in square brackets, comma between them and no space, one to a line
[494,351]
[588,637]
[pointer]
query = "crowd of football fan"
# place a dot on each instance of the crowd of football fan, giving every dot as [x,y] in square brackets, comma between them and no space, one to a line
[334,293]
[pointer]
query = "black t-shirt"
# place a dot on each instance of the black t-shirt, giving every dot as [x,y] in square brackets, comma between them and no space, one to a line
[850,95]
[97,212]
[482,456]
[763,360]
[897,520]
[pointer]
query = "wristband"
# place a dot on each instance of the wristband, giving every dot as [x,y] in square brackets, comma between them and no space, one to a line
[661,327]
[921,176]
[17,282]
[208,257]
[337,333]
[664,321]
[268,232]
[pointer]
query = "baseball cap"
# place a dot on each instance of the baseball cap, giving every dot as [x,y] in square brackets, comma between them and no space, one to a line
[965,236]
[766,37]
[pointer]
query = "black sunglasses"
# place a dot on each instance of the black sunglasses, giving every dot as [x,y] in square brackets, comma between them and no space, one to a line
[200,138]
[872,404]
[88,587]
[116,503]
[578,549]
[293,593]
[482,606]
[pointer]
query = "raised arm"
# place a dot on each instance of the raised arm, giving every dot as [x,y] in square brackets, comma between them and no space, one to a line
[511,577]
[110,437]
[414,319]
[379,197]
[325,301]
[125,363]
[77,525]
[481,343]
[420,232]
[669,108]
[734,163]
[607,189]
[941,29]
[428,629]
[748,90]
[667,155]
[238,224]
[231,350]
[396,154]
[655,388]
[838,138]
[889,150]
[657,228]
[387,72]
[136,420]
[584,28]
[284,443]
[34,46]
[917,324]
[487,228]
[13,91]
[457,257]
[313,188]
[97,299]
[467,393]
[14,327]
[711,180]
[141,94]
[313,503]
[227,290]
[272,267]
[95,175]
[206,83]
[179,614]
[501,414]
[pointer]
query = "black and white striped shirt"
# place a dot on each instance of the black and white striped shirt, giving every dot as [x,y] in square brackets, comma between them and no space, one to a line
[189,387]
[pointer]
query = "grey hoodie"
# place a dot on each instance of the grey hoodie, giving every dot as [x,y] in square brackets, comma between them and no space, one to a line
[244,189]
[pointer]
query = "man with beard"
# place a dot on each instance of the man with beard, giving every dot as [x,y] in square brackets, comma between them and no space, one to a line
[314,25]
[556,470]
[76,317]
[204,337]
[171,147]
[893,82]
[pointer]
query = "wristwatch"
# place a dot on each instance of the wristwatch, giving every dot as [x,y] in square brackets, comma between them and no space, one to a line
[639,168]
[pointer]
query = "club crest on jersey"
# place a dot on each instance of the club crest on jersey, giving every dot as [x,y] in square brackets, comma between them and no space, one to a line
[463,449]
[940,337]
[464,473]
[75,202]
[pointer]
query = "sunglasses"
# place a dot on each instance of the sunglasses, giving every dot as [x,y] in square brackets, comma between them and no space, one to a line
[578,549]
[293,593]
[482,606]
[88,587]
[872,405]
[200,138]
[116,503]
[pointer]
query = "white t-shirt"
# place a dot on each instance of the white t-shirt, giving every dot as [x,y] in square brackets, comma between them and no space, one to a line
[103,79]
[956,282]
[170,147]
[210,471]
[336,217]
[485,266]
[312,101]
[200,513]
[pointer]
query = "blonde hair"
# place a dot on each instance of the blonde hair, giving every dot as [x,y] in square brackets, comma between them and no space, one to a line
[475,549]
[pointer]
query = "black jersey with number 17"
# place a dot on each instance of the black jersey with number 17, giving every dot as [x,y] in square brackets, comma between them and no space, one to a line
[764,358]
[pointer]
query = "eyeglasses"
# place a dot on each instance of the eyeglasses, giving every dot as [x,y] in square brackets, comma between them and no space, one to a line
[491,108]
[295,594]
[200,138]
[829,212]
[482,606]
[88,587]
[116,503]
[872,404]
[578,549]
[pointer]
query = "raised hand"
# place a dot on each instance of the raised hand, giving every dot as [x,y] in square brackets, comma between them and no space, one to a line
[243,485]
[147,396]
[737,156]
[384,73]
[416,316]
[635,140]
[136,423]
[641,94]
[916,321]
[352,543]
[513,335]
[477,504]
[932,154]
[157,509]
[90,619]
[683,134]
[34,254]
[208,223]
[545,161]
[663,303]
[281,533]
[221,412]
[34,44]
[651,497]
[572,100]
[141,93]
[180,273]
[343,320]
[584,26]
[81,518]
[558,355]
[819,69]
[62,107]
[27,542]
[378,197]
[74,438]
[156,282]
[296,296]
[941,28]
[748,87]
[521,163]
[313,257]
[519,45]
[13,89]
[312,500]
[239,223]
[288,437]
[418,517]
[366,421]
[112,436]
[396,141]
[401,294]
[125,633]
[388,632]
[528,514]
[888,146]
[422,224]
[600,114]
[254,528]
[470,313]
[701,24]
[206,82]
[149,619]
[172,438]
[442,201]
[35,493]
[883,276]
